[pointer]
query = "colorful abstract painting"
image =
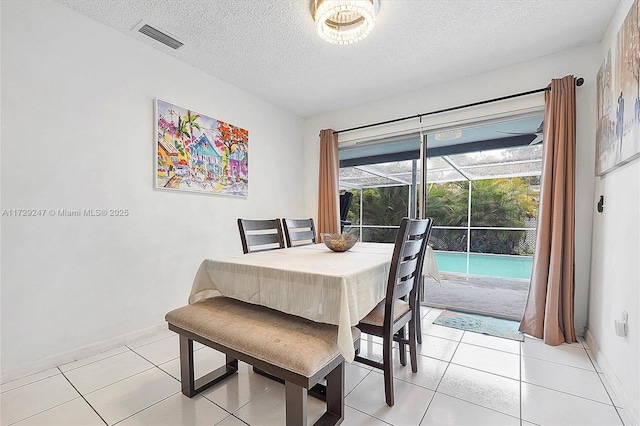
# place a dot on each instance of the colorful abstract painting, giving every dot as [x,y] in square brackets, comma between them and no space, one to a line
[200,154]
[618,98]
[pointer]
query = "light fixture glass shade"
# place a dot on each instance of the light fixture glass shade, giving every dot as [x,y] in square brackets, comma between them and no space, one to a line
[344,21]
[448,135]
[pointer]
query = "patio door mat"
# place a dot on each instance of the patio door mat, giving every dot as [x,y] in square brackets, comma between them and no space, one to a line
[491,326]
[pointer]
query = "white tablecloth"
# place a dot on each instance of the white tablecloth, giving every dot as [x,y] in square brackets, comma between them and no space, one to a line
[309,281]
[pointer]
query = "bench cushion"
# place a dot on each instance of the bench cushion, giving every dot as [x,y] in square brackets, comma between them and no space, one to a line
[287,341]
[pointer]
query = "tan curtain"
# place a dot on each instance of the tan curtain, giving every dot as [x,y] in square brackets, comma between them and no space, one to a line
[550,304]
[328,212]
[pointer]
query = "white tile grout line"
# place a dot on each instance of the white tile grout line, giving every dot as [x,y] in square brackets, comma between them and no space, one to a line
[145,408]
[92,362]
[28,383]
[367,414]
[441,378]
[606,390]
[82,396]
[58,405]
[155,403]
[520,375]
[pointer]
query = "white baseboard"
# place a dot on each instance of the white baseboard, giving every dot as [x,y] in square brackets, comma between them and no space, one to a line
[76,354]
[628,406]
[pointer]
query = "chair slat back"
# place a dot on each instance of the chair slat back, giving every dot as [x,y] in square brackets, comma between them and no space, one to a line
[299,232]
[406,263]
[260,235]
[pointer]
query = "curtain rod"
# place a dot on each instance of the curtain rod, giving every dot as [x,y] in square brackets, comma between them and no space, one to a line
[579,82]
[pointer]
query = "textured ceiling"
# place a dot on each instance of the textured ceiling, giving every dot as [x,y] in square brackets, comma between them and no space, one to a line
[269,47]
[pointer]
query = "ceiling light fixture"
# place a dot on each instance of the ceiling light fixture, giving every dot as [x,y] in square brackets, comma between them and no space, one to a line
[344,21]
[448,135]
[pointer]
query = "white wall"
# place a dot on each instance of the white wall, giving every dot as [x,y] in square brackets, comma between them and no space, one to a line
[581,62]
[615,270]
[78,132]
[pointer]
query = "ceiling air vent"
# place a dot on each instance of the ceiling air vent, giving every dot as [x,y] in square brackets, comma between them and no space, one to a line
[160,36]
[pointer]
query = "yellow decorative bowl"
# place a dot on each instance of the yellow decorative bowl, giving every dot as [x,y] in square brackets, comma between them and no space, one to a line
[339,242]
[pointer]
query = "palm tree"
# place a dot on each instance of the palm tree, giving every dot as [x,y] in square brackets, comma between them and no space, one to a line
[383,206]
[181,131]
[504,202]
[191,120]
[447,204]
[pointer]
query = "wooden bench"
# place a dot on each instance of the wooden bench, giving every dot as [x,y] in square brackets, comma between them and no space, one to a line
[301,352]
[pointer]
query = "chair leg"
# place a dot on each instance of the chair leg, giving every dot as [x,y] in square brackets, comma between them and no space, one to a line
[418,325]
[417,311]
[413,349]
[401,346]
[387,361]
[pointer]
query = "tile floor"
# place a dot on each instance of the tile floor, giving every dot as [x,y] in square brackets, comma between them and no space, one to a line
[463,378]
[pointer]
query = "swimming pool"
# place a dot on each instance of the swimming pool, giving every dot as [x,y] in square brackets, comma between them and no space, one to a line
[495,265]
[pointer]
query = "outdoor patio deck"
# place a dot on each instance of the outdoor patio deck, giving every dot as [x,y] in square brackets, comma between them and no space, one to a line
[496,296]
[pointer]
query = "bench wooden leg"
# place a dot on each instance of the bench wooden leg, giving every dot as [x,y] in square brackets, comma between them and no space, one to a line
[187,366]
[296,404]
[296,401]
[335,397]
[192,386]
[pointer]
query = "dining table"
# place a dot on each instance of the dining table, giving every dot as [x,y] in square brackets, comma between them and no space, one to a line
[309,281]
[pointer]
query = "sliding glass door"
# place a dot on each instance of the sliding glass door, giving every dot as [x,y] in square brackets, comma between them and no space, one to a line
[383,176]
[481,185]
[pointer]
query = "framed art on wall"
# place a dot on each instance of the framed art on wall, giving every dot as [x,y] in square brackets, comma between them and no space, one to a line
[198,153]
[618,98]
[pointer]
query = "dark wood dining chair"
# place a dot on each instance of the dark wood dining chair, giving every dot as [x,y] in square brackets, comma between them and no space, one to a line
[299,232]
[389,318]
[260,235]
